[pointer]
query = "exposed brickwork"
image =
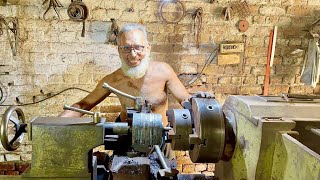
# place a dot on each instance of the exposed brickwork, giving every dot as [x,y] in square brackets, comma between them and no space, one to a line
[53,56]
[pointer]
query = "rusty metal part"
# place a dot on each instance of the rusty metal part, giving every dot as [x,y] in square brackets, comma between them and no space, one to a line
[9,116]
[113,32]
[118,128]
[179,18]
[209,131]
[52,4]
[197,23]
[130,168]
[180,120]
[243,25]
[147,131]
[78,11]
[13,28]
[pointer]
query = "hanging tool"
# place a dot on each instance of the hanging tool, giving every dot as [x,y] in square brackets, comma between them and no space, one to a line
[227,14]
[78,11]
[311,67]
[14,29]
[114,32]
[179,6]
[197,23]
[267,76]
[52,4]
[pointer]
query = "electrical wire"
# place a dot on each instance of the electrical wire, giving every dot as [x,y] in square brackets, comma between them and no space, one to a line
[26,104]
[3,93]
[208,61]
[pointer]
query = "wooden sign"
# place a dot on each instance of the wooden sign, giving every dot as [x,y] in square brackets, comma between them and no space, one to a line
[231,48]
[228,59]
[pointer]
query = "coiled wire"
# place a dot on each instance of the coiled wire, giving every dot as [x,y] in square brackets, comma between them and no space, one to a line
[78,11]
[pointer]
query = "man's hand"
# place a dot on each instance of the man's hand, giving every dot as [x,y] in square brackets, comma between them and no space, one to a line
[201,94]
[187,103]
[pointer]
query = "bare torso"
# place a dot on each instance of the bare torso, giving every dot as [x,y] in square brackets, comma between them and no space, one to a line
[151,87]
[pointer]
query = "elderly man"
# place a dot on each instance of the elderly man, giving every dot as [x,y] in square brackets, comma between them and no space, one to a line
[138,76]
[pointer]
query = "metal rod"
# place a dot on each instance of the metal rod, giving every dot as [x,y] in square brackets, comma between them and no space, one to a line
[167,128]
[159,153]
[66,107]
[116,91]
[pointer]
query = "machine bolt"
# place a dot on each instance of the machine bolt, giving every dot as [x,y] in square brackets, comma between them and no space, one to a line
[185,116]
[210,107]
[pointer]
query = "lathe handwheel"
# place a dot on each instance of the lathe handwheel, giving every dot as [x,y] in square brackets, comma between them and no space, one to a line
[209,128]
[9,116]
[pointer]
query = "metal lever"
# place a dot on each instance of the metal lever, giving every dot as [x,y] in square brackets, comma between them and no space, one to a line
[96,115]
[165,171]
[138,100]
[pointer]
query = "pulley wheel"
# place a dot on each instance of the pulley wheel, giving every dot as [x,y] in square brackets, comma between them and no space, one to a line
[210,129]
[147,129]
[15,115]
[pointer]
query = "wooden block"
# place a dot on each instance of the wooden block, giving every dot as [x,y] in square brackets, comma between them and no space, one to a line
[231,48]
[228,59]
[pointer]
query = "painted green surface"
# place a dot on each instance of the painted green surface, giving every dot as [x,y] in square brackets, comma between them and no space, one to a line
[293,161]
[62,151]
[258,153]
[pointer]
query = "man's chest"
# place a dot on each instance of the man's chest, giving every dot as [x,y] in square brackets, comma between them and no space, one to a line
[152,90]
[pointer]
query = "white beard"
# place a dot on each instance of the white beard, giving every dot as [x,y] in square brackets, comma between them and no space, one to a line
[138,71]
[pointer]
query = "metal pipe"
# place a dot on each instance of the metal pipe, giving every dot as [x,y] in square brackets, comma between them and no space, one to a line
[116,91]
[66,107]
[118,128]
[159,153]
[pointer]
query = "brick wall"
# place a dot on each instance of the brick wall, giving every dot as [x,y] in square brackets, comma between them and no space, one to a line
[53,56]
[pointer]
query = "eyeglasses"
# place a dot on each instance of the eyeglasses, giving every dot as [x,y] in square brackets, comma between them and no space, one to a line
[128,49]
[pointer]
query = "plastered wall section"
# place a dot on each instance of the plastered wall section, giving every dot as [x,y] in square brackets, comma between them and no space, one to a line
[52,56]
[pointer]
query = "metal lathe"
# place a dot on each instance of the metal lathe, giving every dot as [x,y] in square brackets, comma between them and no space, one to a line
[249,137]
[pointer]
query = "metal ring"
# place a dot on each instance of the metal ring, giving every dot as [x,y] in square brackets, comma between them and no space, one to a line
[173,1]
[4,125]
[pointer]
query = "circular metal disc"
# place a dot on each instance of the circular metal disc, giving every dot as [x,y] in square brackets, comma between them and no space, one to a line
[182,127]
[210,128]
[243,25]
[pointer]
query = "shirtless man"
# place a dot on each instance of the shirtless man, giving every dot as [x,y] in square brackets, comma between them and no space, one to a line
[138,76]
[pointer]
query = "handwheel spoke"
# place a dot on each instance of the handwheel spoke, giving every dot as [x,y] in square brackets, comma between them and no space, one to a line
[15,121]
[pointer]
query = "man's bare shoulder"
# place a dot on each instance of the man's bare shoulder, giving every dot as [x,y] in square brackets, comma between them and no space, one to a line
[114,76]
[161,66]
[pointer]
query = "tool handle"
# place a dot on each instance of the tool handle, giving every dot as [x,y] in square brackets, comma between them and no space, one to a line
[66,107]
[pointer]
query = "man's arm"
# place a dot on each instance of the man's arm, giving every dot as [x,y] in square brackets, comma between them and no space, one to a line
[175,86]
[91,100]
[179,91]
